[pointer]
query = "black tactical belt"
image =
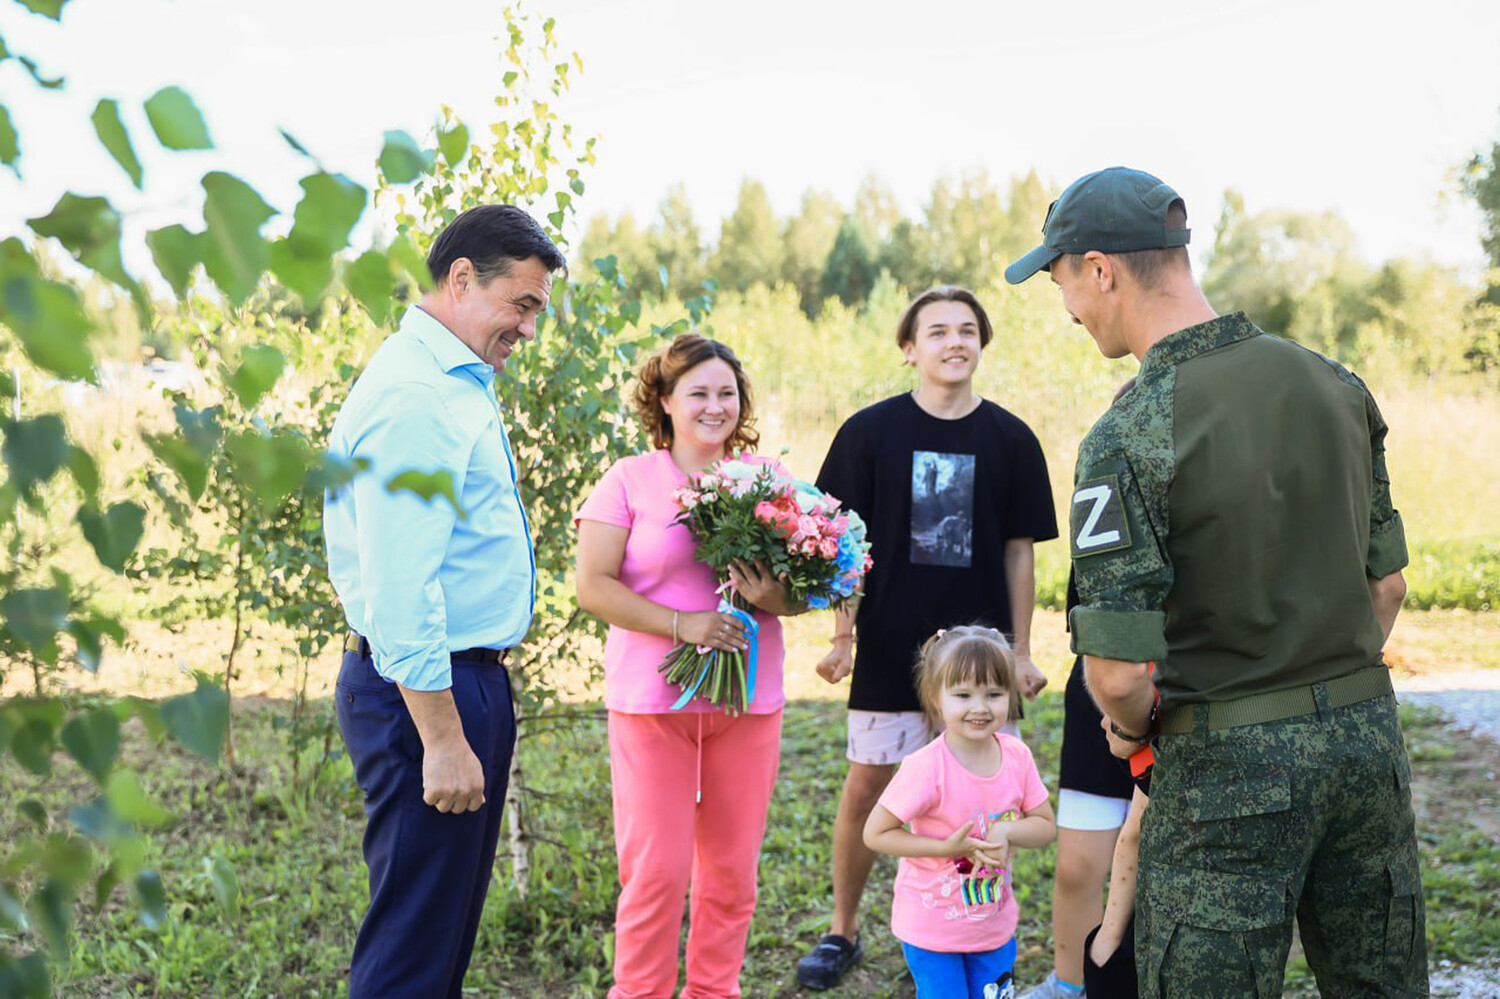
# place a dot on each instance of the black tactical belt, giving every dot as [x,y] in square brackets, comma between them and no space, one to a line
[354,642]
[1361,685]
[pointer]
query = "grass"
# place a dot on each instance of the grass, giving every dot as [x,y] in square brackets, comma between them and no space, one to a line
[301,886]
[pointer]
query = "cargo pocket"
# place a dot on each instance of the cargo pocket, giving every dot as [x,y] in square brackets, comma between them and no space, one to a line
[1404,925]
[1235,820]
[1213,933]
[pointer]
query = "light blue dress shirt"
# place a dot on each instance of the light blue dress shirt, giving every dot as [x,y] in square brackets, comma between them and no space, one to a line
[416,579]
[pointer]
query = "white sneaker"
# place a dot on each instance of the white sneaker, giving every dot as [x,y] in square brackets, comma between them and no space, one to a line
[1051,990]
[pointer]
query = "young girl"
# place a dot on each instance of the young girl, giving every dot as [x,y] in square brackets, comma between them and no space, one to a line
[968,798]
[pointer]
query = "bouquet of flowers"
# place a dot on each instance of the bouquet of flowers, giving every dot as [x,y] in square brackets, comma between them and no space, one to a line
[738,511]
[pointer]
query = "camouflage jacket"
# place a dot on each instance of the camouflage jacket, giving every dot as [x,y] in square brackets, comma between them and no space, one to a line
[1226,514]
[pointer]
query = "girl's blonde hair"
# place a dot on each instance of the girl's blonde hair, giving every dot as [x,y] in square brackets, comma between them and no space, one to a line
[968,654]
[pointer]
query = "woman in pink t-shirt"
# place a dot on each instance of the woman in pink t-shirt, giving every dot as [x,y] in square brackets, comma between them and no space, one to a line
[691,787]
[966,799]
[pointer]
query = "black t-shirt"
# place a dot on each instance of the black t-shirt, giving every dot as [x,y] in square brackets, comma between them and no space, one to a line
[940,498]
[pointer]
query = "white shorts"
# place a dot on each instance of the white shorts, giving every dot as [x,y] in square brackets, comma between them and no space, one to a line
[1086,812]
[883,738]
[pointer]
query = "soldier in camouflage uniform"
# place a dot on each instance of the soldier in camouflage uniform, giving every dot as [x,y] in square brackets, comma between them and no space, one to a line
[1232,523]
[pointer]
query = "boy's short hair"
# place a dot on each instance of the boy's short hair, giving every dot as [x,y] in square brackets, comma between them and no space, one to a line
[906,329]
[967,654]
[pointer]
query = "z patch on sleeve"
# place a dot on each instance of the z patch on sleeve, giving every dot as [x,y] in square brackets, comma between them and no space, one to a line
[1098,517]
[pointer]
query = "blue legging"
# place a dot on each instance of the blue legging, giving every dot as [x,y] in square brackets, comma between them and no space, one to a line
[941,975]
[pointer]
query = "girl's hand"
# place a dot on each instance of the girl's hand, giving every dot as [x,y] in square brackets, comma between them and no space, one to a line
[757,585]
[713,630]
[958,843]
[994,850]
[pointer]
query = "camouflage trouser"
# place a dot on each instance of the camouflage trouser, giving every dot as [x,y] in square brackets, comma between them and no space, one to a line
[1248,825]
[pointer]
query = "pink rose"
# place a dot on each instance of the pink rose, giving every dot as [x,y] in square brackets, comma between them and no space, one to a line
[829,548]
[808,525]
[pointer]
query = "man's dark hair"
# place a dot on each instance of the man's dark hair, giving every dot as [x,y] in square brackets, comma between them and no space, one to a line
[1148,267]
[906,329]
[494,237]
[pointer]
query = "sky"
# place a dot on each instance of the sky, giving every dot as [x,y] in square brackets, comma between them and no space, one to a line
[1365,109]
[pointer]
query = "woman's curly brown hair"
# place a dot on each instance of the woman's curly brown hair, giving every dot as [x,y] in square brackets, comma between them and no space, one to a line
[659,377]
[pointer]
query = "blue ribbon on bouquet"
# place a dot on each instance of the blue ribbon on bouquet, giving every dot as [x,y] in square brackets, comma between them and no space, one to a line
[752,627]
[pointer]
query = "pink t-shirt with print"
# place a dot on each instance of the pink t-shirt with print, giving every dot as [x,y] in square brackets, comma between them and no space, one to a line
[936,906]
[636,494]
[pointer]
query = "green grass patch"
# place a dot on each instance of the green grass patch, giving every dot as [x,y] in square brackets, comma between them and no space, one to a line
[295,858]
[1462,574]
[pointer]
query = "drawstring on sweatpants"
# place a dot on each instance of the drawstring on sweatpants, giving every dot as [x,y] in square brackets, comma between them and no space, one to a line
[698,779]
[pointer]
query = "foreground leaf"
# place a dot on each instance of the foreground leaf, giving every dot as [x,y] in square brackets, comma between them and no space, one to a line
[428,485]
[226,884]
[176,252]
[402,160]
[370,281]
[10,145]
[198,720]
[114,533]
[46,8]
[52,911]
[28,977]
[234,253]
[182,458]
[114,138]
[35,616]
[131,802]
[152,898]
[259,368]
[176,121]
[93,739]
[35,450]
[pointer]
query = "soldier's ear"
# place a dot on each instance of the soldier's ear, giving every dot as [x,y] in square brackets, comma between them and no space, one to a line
[1099,269]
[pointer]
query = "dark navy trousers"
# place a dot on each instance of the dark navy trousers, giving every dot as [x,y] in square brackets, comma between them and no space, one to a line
[429,871]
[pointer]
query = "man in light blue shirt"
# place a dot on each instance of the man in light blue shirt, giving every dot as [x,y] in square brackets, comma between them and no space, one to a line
[434,593]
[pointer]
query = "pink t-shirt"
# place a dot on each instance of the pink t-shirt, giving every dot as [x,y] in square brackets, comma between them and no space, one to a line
[935,906]
[636,494]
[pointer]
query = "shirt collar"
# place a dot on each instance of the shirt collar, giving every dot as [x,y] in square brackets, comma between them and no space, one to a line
[1184,344]
[447,349]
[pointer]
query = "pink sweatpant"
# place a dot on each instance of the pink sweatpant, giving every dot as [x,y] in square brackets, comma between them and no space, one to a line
[666,838]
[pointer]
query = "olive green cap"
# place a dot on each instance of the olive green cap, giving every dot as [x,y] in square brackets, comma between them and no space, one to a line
[1117,210]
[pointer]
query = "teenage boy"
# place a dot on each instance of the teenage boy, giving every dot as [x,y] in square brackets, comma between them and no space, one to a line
[954,490]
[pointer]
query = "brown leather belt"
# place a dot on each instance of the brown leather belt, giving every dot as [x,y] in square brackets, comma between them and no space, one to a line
[354,642]
[1351,688]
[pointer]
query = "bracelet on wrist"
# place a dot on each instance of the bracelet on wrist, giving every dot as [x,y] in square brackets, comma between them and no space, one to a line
[847,636]
[1139,740]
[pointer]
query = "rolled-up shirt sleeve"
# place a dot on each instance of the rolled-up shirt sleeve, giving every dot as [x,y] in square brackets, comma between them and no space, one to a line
[402,538]
[1387,549]
[1121,570]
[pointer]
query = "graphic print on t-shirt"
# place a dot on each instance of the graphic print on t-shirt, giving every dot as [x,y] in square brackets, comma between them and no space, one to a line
[942,509]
